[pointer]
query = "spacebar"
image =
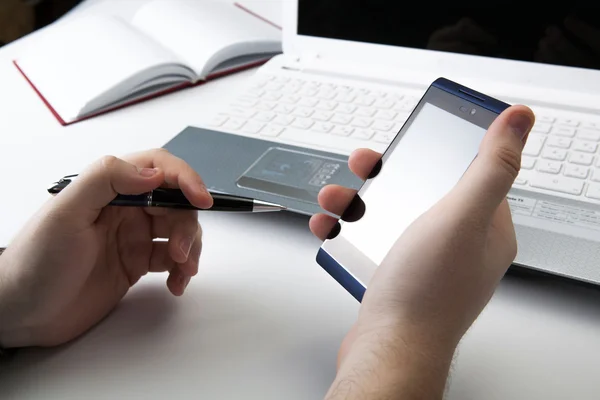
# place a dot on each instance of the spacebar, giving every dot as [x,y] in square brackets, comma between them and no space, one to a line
[325,141]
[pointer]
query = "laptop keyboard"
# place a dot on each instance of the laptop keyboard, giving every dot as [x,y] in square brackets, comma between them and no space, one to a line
[561,158]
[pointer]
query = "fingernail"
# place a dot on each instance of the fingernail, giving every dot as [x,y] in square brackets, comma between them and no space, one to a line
[334,231]
[520,124]
[147,172]
[376,169]
[186,245]
[185,281]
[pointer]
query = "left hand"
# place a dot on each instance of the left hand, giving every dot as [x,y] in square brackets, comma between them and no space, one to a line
[77,258]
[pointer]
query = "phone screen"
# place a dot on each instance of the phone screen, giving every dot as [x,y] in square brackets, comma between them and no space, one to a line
[424,162]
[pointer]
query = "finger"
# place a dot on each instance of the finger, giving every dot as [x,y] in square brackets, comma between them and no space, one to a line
[181,228]
[190,266]
[177,281]
[365,163]
[342,201]
[177,174]
[160,259]
[324,226]
[102,181]
[490,176]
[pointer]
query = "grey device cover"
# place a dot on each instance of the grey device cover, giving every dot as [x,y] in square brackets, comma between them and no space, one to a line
[229,163]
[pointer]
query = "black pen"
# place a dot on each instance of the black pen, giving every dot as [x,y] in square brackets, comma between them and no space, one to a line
[174,198]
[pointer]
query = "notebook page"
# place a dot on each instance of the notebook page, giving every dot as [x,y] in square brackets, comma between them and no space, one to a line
[79,61]
[206,33]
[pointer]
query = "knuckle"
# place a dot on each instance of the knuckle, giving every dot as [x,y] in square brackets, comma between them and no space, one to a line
[108,162]
[509,159]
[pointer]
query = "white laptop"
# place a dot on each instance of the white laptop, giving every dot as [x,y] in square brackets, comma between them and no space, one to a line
[352,71]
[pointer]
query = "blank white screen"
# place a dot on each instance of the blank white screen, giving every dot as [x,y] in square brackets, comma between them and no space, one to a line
[427,162]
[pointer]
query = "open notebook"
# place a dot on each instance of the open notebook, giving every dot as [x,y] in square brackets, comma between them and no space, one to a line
[96,62]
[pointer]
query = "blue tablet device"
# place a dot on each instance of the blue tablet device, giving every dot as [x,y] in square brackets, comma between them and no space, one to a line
[425,160]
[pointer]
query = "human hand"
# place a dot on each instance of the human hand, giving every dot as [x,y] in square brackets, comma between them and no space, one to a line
[440,273]
[558,46]
[77,257]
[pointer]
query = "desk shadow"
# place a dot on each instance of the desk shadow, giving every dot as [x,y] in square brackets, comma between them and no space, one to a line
[146,309]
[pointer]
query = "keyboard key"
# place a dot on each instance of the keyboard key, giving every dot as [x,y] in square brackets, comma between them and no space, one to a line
[284,109]
[302,112]
[552,153]
[365,101]
[563,131]
[324,127]
[545,118]
[252,127]
[308,102]
[302,123]
[596,174]
[322,116]
[290,99]
[272,96]
[234,123]
[576,171]
[558,183]
[266,116]
[585,146]
[527,162]
[346,108]
[593,191]
[558,141]
[567,122]
[283,120]
[577,157]
[242,112]
[361,122]
[272,131]
[265,106]
[541,127]
[387,115]
[588,134]
[326,105]
[551,167]
[384,137]
[341,119]
[385,104]
[365,112]
[591,125]
[342,130]
[534,144]
[383,125]
[363,134]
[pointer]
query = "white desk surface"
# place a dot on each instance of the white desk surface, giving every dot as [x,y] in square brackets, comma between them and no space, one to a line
[261,320]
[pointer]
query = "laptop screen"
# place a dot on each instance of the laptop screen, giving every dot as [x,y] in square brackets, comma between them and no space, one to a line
[560,35]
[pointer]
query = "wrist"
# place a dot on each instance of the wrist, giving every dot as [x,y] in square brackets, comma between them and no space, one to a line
[383,363]
[10,335]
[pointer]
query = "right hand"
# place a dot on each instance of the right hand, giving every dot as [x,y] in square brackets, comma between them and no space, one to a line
[443,270]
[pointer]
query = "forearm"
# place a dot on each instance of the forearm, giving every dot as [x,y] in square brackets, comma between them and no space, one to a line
[378,368]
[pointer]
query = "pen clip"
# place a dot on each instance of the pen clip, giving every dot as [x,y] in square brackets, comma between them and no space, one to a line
[59,185]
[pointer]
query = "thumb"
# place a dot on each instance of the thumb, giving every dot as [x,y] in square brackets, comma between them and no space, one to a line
[101,182]
[490,176]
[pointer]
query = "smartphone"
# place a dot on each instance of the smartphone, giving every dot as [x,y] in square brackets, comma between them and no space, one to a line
[292,174]
[425,160]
